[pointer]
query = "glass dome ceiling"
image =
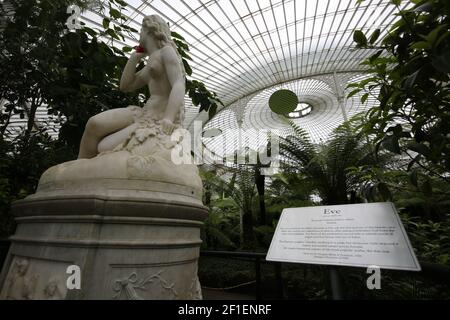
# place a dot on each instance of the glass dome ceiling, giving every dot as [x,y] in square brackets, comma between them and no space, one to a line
[244,50]
[253,115]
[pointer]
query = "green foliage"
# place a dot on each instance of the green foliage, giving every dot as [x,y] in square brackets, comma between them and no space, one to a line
[231,193]
[6,223]
[238,183]
[409,75]
[430,239]
[74,74]
[22,162]
[286,190]
[324,167]
[415,191]
[422,201]
[264,234]
[207,101]
[221,228]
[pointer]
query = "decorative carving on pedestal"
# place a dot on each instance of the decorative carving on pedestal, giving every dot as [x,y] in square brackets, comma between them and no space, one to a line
[52,290]
[34,279]
[127,287]
[195,290]
[20,285]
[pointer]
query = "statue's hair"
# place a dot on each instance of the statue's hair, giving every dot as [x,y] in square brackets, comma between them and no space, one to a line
[159,29]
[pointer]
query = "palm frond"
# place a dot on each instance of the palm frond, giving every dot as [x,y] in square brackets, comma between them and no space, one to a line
[325,165]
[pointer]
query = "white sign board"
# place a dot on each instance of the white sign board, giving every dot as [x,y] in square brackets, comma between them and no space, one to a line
[360,235]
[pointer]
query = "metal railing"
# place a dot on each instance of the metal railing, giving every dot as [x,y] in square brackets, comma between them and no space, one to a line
[258,259]
[432,271]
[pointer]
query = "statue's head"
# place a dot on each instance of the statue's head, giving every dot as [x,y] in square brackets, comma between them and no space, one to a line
[154,26]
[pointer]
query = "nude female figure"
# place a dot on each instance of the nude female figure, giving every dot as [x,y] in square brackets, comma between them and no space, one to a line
[165,78]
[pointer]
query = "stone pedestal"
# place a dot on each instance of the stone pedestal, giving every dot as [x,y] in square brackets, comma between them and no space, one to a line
[133,239]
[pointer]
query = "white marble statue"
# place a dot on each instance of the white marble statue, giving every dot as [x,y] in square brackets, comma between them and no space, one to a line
[165,77]
[135,143]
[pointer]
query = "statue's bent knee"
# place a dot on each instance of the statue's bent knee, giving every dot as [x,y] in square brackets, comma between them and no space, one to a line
[93,126]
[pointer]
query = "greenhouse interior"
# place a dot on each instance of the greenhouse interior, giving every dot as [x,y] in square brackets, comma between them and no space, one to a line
[224,150]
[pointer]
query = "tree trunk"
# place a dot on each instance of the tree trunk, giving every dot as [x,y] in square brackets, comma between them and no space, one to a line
[31,117]
[208,196]
[6,124]
[31,114]
[247,236]
[260,181]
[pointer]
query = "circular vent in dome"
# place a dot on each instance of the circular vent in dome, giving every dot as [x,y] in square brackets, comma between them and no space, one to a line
[302,110]
[283,102]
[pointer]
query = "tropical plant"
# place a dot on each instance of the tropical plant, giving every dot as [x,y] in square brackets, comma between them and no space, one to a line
[422,202]
[429,238]
[238,183]
[22,161]
[409,75]
[221,227]
[323,167]
[284,190]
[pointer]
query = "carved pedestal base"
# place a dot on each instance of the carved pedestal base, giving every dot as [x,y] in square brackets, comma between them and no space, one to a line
[126,247]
